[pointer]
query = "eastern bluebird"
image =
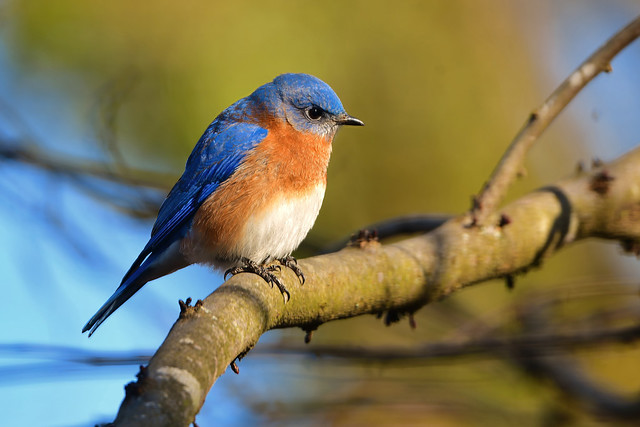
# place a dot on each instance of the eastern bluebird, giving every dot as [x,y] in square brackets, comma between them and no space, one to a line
[251,189]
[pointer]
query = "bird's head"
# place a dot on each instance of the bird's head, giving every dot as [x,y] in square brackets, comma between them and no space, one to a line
[305,102]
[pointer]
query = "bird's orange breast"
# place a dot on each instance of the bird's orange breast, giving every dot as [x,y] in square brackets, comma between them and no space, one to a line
[286,164]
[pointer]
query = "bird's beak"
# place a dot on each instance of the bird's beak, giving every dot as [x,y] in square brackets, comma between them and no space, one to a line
[345,119]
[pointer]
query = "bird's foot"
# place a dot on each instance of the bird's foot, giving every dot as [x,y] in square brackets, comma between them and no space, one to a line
[266,272]
[292,263]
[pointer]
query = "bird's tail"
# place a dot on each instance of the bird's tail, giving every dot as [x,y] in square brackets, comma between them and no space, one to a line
[156,265]
[125,291]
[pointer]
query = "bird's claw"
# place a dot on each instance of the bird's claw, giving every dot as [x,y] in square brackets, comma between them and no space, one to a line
[271,279]
[265,272]
[274,267]
[292,264]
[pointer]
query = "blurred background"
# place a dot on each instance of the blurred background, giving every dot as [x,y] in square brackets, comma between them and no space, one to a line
[102,102]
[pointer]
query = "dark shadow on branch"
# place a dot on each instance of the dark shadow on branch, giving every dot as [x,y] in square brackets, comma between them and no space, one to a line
[560,228]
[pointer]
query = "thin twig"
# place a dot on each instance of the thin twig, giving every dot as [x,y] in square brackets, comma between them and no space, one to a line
[566,375]
[542,343]
[14,151]
[401,225]
[512,160]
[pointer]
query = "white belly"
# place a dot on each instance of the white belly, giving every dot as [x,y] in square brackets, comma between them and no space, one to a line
[276,232]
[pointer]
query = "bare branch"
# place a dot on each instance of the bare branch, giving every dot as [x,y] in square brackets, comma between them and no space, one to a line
[136,178]
[399,277]
[490,346]
[574,384]
[402,225]
[513,159]
[564,373]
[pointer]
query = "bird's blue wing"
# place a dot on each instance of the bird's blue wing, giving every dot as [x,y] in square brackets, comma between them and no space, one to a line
[219,152]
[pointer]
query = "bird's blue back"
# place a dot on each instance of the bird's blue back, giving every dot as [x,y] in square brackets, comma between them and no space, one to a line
[215,157]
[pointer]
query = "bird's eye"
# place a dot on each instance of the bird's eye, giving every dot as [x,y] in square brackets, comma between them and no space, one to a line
[314,113]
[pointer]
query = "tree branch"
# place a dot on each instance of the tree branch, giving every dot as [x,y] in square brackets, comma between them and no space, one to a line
[402,225]
[399,277]
[565,374]
[83,167]
[513,159]
[486,345]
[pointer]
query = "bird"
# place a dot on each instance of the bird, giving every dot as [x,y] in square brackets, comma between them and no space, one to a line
[250,192]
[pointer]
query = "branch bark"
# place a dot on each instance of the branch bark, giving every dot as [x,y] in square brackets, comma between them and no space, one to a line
[400,277]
